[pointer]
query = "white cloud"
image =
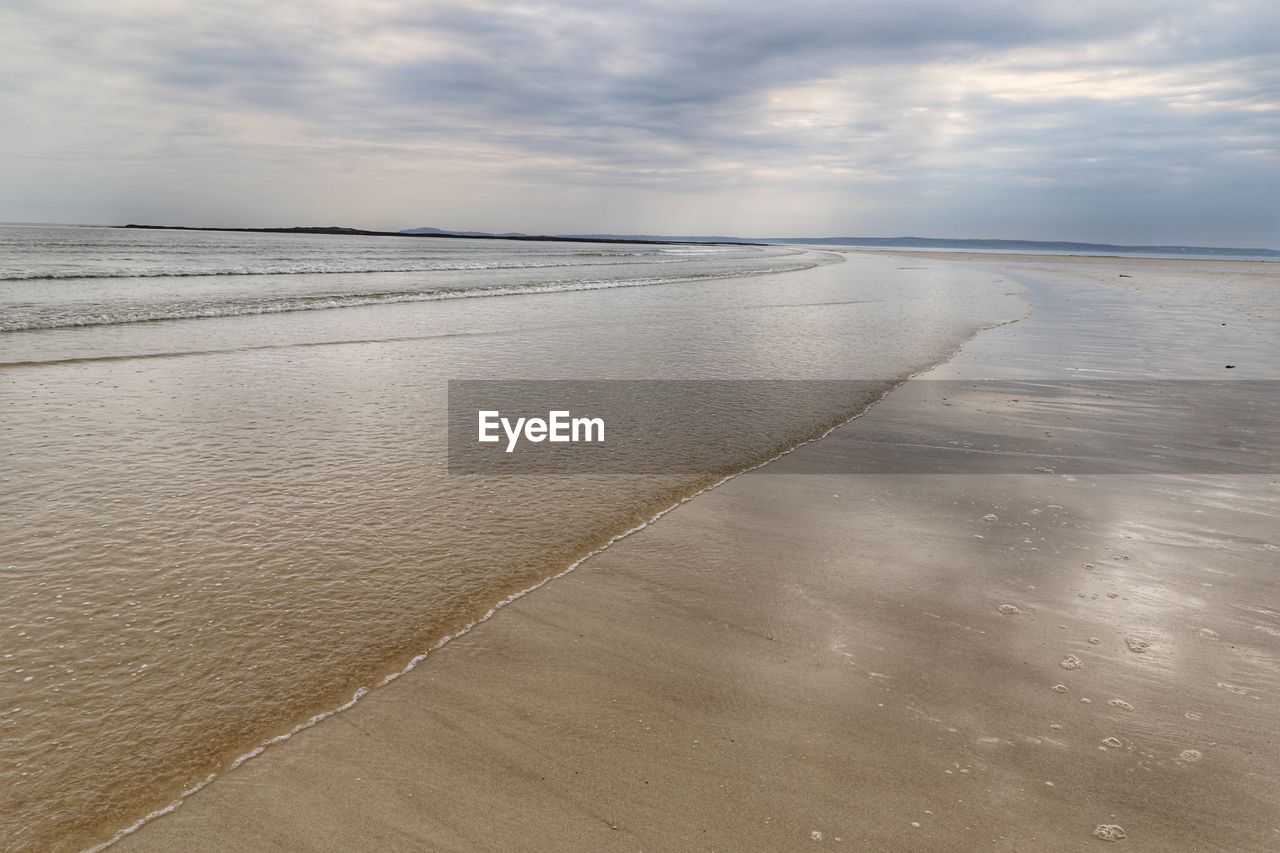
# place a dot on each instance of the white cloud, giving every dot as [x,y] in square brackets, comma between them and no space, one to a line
[972,119]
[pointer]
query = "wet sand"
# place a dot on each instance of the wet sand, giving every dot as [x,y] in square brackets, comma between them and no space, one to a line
[948,662]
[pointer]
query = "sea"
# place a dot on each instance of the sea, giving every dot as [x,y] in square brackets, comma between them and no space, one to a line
[226,511]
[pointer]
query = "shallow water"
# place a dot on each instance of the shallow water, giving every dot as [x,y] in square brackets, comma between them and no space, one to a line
[213,528]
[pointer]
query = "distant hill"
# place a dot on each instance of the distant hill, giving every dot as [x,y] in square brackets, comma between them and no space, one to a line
[1057,246]
[295,229]
[412,232]
[440,232]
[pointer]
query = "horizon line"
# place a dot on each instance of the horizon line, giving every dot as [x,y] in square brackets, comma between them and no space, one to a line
[632,237]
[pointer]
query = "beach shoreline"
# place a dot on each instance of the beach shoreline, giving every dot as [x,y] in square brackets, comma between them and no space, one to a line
[176,610]
[780,662]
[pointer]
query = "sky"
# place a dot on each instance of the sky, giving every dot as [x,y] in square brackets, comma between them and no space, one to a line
[1124,121]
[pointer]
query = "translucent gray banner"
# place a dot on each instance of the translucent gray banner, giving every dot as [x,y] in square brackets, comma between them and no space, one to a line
[922,427]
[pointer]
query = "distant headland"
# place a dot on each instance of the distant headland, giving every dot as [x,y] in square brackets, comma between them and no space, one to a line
[934,243]
[432,232]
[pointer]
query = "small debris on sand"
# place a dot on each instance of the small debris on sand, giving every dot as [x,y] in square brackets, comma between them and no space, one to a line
[1109,832]
[1137,646]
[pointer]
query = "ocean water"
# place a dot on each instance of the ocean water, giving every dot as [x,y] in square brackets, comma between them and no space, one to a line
[111,276]
[225,509]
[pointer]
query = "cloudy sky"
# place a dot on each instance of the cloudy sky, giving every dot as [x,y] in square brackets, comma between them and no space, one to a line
[1108,120]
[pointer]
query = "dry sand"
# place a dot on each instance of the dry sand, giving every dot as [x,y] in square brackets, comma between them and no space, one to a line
[798,660]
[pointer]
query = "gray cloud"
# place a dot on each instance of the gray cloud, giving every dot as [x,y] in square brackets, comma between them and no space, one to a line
[1142,121]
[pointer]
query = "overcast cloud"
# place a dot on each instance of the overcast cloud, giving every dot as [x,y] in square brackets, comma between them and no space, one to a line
[1111,121]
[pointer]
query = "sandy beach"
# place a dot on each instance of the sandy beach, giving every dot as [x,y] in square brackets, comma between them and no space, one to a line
[1031,659]
[567,426]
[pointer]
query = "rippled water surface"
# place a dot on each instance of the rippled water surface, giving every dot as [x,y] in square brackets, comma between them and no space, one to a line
[224,506]
[67,277]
